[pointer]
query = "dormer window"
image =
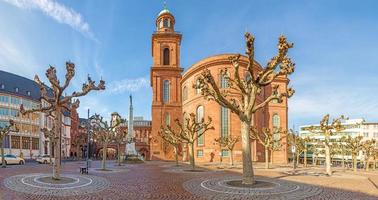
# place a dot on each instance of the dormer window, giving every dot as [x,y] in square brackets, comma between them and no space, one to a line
[28,93]
[16,89]
[2,86]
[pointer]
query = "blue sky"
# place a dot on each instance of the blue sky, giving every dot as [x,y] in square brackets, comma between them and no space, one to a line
[335,50]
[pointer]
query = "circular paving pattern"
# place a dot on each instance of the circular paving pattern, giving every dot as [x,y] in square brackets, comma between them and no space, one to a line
[189,170]
[218,188]
[106,171]
[41,184]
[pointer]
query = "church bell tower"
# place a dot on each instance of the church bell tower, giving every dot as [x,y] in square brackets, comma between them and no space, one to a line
[165,80]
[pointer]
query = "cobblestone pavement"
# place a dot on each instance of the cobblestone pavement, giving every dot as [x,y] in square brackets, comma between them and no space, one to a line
[154,180]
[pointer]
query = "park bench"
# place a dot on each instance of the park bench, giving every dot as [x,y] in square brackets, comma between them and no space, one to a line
[83,170]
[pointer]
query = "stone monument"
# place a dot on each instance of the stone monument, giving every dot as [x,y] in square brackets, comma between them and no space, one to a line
[130,145]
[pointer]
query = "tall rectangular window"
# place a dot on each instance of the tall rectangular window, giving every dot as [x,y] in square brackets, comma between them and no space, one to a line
[224,121]
[200,116]
[166,91]
[15,140]
[223,81]
[35,143]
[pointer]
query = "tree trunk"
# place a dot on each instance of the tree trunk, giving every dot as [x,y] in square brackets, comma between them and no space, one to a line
[354,163]
[232,157]
[58,144]
[77,151]
[271,157]
[298,154]
[119,154]
[248,176]
[342,160]
[266,158]
[327,159]
[51,150]
[176,156]
[104,152]
[2,155]
[191,155]
[367,165]
[374,163]
[305,158]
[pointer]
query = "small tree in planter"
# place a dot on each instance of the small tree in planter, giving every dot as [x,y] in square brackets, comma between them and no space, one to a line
[104,134]
[328,129]
[368,147]
[355,146]
[268,140]
[228,142]
[192,129]
[4,132]
[172,137]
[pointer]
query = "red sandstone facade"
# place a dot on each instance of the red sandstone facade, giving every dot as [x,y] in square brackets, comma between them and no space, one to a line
[173,94]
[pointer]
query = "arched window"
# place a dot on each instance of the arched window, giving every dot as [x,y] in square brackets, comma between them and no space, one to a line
[276,121]
[166,56]
[247,76]
[167,119]
[198,91]
[161,24]
[165,23]
[224,121]
[184,93]
[199,118]
[166,91]
[223,81]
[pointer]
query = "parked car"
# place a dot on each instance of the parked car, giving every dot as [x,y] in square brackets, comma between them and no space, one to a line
[44,159]
[12,159]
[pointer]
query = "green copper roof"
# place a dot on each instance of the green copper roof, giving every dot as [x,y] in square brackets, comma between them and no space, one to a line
[165,10]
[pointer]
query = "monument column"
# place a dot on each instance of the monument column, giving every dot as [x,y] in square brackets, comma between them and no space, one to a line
[130,146]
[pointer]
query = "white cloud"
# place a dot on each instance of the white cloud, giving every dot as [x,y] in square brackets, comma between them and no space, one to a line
[58,12]
[127,85]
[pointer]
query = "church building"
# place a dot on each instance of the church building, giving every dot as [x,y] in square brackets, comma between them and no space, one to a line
[173,95]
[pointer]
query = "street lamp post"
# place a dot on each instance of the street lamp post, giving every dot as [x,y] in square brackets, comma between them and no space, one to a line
[88,138]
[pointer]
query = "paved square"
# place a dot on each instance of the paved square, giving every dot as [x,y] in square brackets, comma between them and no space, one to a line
[160,180]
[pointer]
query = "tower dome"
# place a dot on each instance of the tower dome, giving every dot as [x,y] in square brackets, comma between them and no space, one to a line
[165,21]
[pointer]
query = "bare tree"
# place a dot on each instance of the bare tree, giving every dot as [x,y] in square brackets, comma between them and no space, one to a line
[192,129]
[328,129]
[375,158]
[228,142]
[355,146]
[57,102]
[297,142]
[104,133]
[172,137]
[78,140]
[268,140]
[343,150]
[4,132]
[245,91]
[120,139]
[368,147]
